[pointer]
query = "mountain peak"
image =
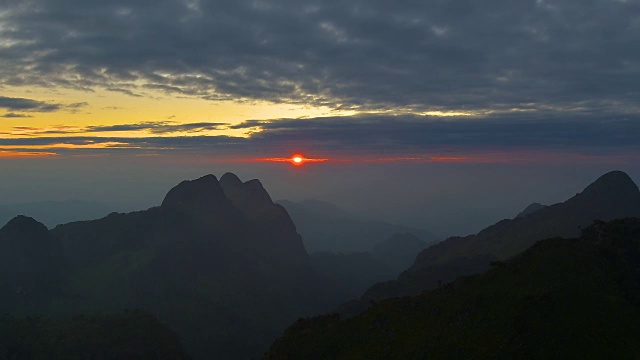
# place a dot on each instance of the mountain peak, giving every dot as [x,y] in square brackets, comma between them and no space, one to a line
[531,209]
[617,181]
[24,223]
[195,194]
[230,179]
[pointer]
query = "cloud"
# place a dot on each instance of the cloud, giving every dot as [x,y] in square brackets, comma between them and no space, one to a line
[406,134]
[431,55]
[161,127]
[526,137]
[28,105]
[153,127]
[12,115]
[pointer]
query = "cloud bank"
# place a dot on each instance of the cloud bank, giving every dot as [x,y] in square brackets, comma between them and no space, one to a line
[494,55]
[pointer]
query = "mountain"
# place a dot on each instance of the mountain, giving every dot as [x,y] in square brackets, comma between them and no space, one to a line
[326,228]
[398,251]
[612,196]
[52,213]
[31,265]
[220,263]
[130,335]
[561,299]
[531,209]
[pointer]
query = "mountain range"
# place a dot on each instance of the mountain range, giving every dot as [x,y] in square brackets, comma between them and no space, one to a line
[227,269]
[612,196]
[218,262]
[561,299]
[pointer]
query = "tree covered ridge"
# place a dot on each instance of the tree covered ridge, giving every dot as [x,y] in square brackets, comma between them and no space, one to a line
[562,298]
[127,335]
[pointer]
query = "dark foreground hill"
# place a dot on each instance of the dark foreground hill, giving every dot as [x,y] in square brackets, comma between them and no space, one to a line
[121,336]
[218,262]
[561,299]
[612,196]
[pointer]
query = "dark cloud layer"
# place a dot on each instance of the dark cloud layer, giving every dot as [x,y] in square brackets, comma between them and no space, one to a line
[371,136]
[455,54]
[27,105]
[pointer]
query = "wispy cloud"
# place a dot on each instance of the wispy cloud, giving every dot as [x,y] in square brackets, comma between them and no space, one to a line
[12,115]
[370,138]
[29,105]
[152,127]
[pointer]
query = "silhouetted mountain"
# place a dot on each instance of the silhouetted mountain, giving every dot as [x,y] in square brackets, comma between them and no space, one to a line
[326,228]
[561,299]
[227,272]
[612,196]
[531,209]
[130,335]
[31,265]
[52,213]
[399,251]
[353,272]
[256,204]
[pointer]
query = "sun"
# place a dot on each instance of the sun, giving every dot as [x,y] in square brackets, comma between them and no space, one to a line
[297,159]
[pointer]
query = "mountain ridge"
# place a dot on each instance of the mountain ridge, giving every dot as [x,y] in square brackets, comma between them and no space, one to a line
[223,274]
[611,196]
[561,298]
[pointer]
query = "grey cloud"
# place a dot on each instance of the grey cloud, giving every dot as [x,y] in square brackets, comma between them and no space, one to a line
[155,127]
[383,136]
[460,54]
[402,134]
[12,115]
[28,105]
[123,91]
[159,127]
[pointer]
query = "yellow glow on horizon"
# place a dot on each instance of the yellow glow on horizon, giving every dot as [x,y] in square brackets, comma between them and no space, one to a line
[106,108]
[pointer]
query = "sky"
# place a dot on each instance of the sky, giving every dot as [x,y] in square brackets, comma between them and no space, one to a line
[438,109]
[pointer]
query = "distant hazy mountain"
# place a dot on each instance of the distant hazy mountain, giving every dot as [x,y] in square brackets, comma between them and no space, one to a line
[325,227]
[612,196]
[218,262]
[399,251]
[353,272]
[531,209]
[52,213]
[561,299]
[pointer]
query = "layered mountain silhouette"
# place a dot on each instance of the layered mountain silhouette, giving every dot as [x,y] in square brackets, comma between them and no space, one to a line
[218,262]
[561,299]
[327,228]
[612,196]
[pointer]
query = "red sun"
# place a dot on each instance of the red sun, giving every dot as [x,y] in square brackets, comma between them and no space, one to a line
[298,159]
[295,160]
